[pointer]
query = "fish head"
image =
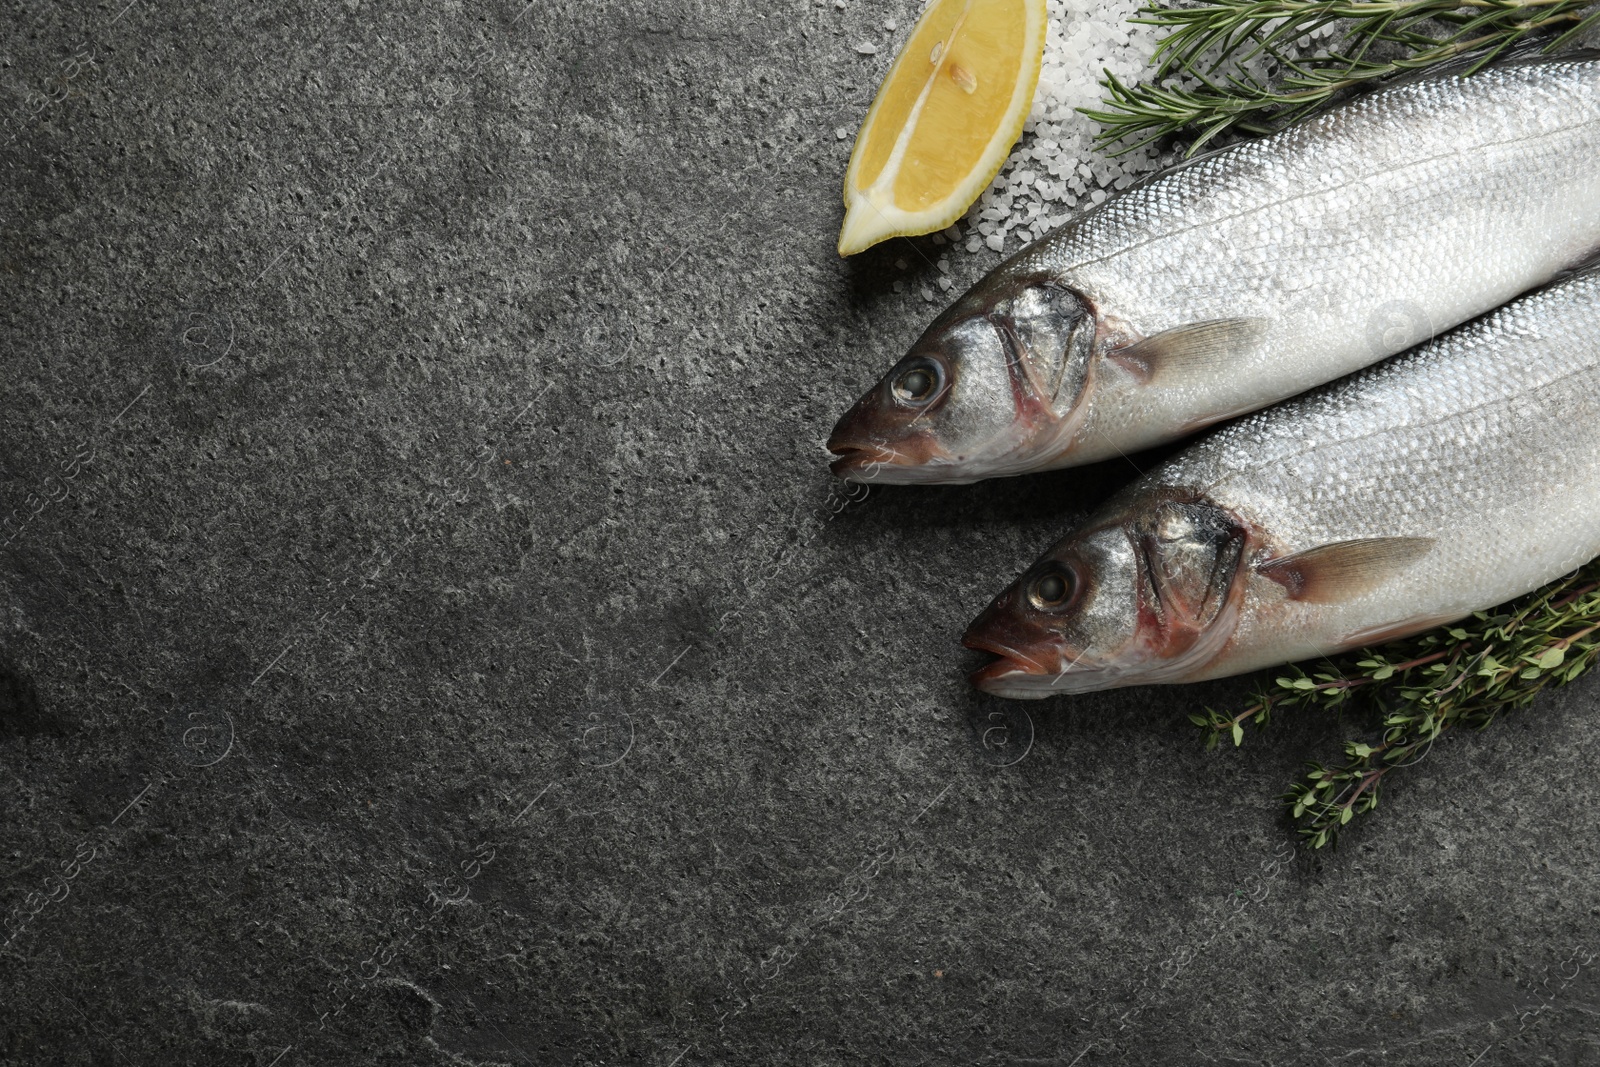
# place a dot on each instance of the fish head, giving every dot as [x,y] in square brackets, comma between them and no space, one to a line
[1145,595]
[992,387]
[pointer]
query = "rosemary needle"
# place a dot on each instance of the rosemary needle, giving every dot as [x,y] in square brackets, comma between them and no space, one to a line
[1201,84]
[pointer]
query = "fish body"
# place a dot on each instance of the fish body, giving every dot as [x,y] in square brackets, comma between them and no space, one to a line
[1249,275]
[1448,480]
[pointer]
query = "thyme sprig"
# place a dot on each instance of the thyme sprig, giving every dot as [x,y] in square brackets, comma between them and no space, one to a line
[1201,82]
[1464,675]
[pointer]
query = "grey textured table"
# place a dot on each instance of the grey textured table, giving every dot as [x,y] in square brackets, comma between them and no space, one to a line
[429,633]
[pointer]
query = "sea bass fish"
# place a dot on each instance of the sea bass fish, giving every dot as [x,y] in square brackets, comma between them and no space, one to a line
[1247,276]
[1448,480]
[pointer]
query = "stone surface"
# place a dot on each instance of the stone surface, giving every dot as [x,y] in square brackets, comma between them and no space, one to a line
[429,633]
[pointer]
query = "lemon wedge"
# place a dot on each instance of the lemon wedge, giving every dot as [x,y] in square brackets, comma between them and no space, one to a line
[944,119]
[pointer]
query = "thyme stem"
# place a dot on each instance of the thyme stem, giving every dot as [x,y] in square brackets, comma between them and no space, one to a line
[1462,675]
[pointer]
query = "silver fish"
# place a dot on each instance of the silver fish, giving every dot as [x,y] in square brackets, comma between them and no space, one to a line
[1450,479]
[1248,276]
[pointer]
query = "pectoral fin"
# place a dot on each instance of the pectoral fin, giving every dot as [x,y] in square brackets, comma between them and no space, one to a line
[1344,569]
[1198,348]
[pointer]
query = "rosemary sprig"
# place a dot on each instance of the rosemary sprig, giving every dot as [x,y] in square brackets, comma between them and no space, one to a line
[1201,83]
[1460,676]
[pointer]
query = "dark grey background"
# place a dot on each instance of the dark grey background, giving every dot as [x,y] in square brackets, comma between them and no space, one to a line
[429,633]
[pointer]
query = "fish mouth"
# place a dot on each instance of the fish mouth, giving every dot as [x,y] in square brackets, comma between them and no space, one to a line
[1018,675]
[914,463]
[858,463]
[1015,677]
[1009,658]
[1010,673]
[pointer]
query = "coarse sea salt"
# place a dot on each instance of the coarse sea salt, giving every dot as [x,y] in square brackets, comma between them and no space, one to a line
[1055,170]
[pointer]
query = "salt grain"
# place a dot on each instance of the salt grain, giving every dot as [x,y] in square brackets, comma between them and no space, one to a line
[1055,172]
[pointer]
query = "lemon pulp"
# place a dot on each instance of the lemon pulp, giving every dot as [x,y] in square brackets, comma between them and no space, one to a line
[944,119]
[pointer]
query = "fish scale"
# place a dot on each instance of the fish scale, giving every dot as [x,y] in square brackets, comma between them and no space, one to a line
[1445,196]
[1488,440]
[1250,275]
[1485,441]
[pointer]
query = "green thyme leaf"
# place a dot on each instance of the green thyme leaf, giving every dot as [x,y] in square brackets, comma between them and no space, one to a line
[1416,689]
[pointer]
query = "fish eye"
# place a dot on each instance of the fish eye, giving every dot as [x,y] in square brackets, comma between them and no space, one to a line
[1054,588]
[918,383]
